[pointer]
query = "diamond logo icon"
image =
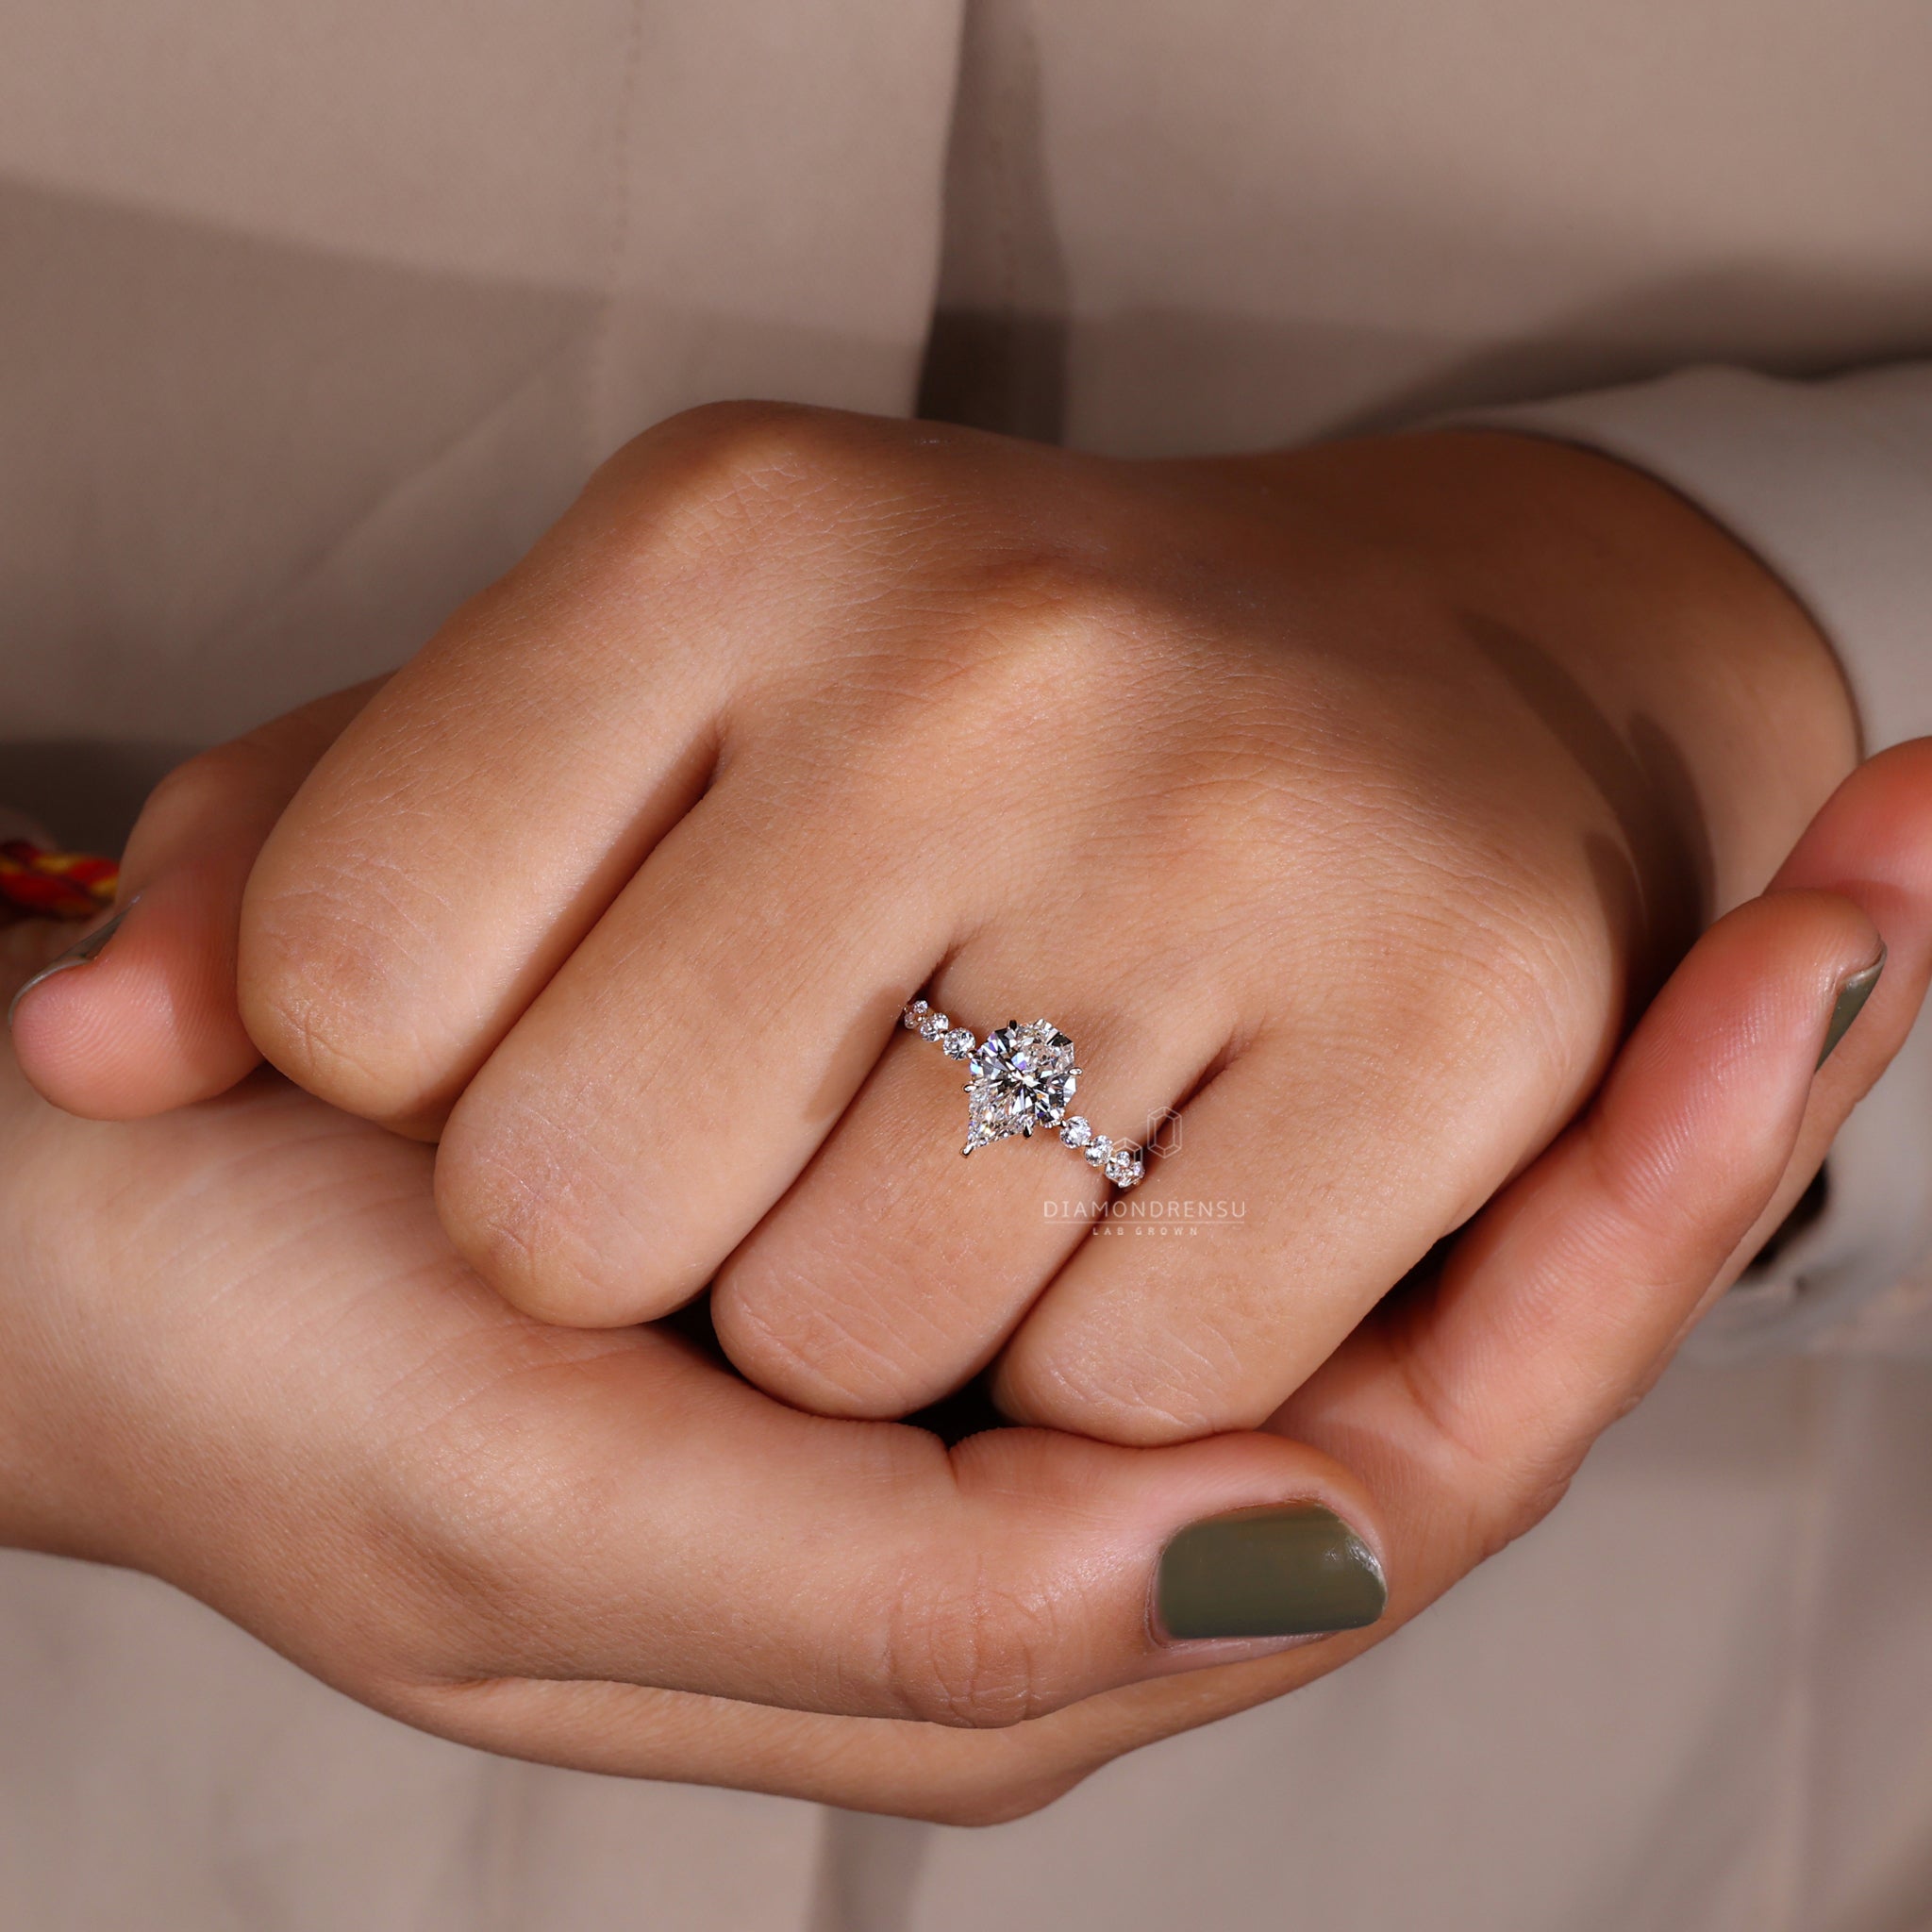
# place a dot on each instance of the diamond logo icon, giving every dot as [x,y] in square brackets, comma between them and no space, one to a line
[1022,1078]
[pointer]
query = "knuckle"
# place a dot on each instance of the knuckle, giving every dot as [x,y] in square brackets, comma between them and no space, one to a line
[735,436]
[754,450]
[728,477]
[208,786]
[1045,583]
[324,990]
[1173,1384]
[505,1212]
[972,1651]
[1064,624]
[524,1211]
[1487,1493]
[1535,1501]
[833,1353]
[1029,642]
[498,1222]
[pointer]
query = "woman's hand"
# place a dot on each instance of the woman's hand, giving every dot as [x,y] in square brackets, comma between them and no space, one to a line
[1346,800]
[237,1350]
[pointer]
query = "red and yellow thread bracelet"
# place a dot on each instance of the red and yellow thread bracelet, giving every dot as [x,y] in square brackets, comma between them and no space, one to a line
[55,885]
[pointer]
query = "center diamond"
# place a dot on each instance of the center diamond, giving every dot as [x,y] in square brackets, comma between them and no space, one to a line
[1023,1078]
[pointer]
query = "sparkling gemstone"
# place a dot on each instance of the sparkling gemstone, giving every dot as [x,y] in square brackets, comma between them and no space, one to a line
[958,1043]
[934,1025]
[1123,1167]
[1075,1132]
[913,1014]
[1022,1078]
[1097,1150]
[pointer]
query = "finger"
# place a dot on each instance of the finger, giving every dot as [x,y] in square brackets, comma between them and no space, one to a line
[730,1545]
[938,1773]
[1171,1327]
[1872,843]
[152,1022]
[613,1507]
[500,1498]
[1469,1409]
[1234,1268]
[942,1773]
[1364,1405]
[684,1064]
[28,948]
[1316,1168]
[482,816]
[894,1268]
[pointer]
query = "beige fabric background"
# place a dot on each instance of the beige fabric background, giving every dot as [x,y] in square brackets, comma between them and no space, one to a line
[313,318]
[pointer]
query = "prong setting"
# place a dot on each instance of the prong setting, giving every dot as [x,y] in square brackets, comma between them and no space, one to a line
[1021,1079]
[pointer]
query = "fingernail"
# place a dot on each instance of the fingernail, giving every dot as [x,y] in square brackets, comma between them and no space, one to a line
[1289,1571]
[76,955]
[1852,996]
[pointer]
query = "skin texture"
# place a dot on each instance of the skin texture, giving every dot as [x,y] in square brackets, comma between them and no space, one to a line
[1348,800]
[1396,817]
[241,1353]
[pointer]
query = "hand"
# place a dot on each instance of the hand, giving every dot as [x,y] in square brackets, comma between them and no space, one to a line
[1347,799]
[236,1350]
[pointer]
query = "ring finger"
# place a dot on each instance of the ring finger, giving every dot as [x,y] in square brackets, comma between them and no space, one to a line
[894,1268]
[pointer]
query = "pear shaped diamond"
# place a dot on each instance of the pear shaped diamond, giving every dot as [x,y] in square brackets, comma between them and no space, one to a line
[1021,1078]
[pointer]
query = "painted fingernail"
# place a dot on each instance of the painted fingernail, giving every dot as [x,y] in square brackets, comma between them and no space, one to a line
[1852,996]
[1296,1571]
[77,955]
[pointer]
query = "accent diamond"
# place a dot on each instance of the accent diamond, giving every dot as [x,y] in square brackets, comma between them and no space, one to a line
[934,1025]
[1075,1132]
[1097,1150]
[915,1011]
[958,1044]
[1021,1078]
[1123,1167]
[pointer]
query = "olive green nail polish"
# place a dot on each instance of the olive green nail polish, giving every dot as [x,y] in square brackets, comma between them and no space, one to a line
[1293,1571]
[77,955]
[1852,996]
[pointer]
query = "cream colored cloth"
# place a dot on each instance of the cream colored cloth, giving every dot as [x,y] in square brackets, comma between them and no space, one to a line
[314,317]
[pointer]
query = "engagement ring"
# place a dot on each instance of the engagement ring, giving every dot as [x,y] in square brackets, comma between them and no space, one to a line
[1021,1077]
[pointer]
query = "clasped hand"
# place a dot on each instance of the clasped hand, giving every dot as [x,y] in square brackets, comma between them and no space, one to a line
[1347,802]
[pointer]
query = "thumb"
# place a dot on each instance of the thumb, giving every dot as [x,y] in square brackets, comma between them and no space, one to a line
[152,1022]
[28,948]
